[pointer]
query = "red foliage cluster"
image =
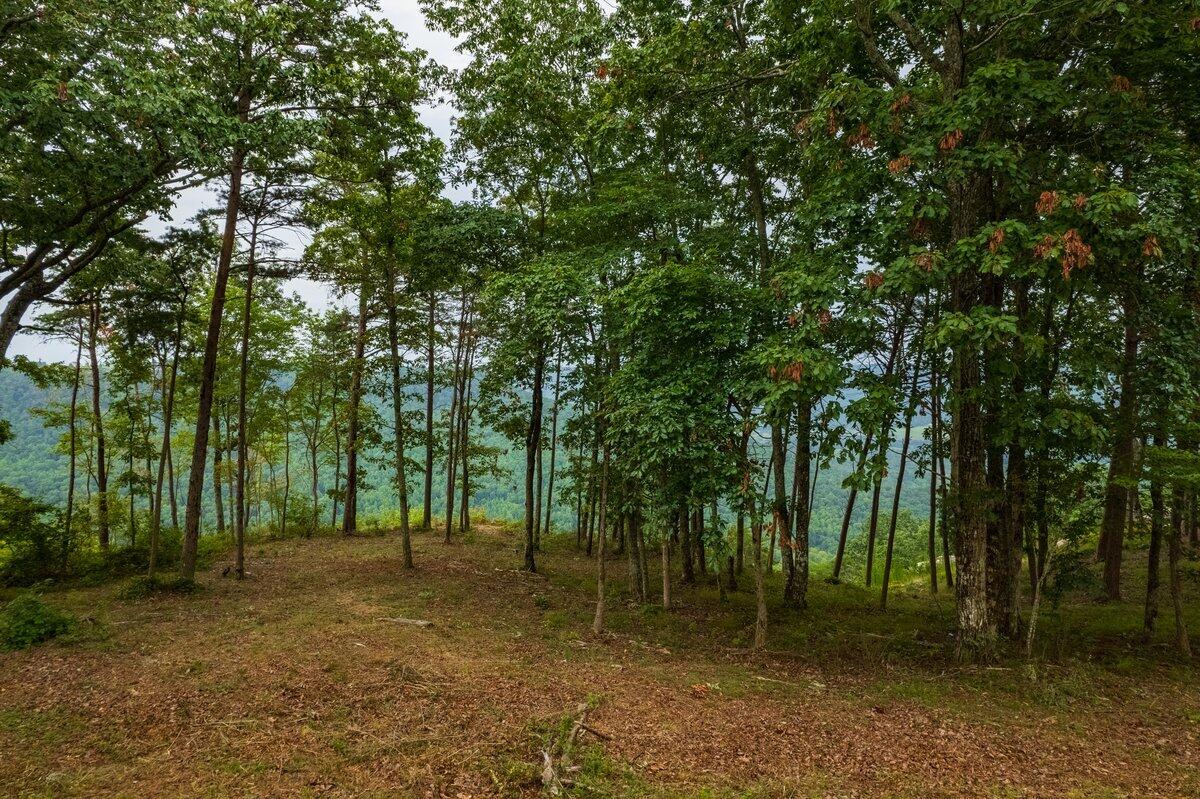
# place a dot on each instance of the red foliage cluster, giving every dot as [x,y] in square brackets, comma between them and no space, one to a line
[1042,248]
[919,229]
[824,317]
[62,90]
[996,240]
[1196,23]
[861,138]
[903,102]
[793,371]
[951,140]
[602,71]
[1080,202]
[925,261]
[1047,203]
[1151,248]
[831,123]
[899,164]
[873,281]
[801,127]
[1121,84]
[1075,254]
[792,319]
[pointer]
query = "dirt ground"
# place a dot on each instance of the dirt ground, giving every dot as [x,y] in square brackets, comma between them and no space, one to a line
[298,682]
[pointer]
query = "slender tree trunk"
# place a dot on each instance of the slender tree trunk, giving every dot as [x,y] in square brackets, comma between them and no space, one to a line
[287,462]
[72,439]
[760,591]
[1174,541]
[909,413]
[602,557]
[532,444]
[216,475]
[208,369]
[243,433]
[98,429]
[430,330]
[164,455]
[843,535]
[355,436]
[1154,557]
[455,409]
[553,441]
[666,572]
[393,325]
[686,548]
[464,437]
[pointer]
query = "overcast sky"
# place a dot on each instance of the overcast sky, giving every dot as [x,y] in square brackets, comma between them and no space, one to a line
[406,15]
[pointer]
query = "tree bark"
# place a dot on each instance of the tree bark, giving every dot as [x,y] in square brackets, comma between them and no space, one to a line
[208,369]
[1117,491]
[98,429]
[354,434]
[532,443]
[430,330]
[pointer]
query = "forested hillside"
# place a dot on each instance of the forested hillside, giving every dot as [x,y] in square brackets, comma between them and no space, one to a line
[35,462]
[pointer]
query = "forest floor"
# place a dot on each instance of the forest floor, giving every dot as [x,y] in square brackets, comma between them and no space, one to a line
[295,683]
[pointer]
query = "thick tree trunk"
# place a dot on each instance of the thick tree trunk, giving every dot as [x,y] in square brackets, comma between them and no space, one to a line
[1117,491]
[801,511]
[968,503]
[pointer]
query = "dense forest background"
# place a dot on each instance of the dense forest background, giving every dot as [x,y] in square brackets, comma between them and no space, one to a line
[34,462]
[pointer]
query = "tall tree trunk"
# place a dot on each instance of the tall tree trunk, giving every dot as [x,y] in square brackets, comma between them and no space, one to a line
[208,369]
[1117,491]
[243,433]
[909,413]
[216,475]
[666,571]
[553,441]
[801,512]
[1154,556]
[843,535]
[464,436]
[393,332]
[98,429]
[430,329]
[602,556]
[455,409]
[165,455]
[532,444]
[1174,541]
[72,442]
[355,436]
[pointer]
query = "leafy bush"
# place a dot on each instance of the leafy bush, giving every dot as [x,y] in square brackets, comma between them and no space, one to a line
[27,620]
[32,538]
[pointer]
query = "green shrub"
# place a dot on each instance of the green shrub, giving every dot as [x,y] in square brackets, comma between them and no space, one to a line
[27,620]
